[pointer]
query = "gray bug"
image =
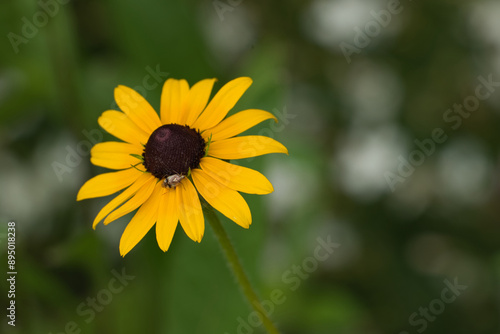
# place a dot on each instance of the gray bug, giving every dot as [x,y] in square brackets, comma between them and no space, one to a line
[172,181]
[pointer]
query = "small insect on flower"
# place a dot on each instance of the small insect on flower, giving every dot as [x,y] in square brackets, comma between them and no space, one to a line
[172,181]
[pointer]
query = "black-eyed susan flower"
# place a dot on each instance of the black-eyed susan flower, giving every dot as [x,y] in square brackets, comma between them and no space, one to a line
[163,162]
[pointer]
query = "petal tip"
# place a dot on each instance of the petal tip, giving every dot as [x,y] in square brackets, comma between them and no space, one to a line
[248,79]
[163,249]
[269,190]
[245,81]
[95,223]
[245,223]
[118,89]
[124,250]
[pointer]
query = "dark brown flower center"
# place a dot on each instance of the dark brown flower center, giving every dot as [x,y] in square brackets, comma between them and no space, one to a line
[173,149]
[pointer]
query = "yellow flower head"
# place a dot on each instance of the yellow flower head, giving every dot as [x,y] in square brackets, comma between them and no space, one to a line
[161,158]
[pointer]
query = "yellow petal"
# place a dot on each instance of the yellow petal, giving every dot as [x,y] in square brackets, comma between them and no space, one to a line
[236,177]
[168,217]
[229,202]
[125,195]
[245,147]
[141,223]
[107,183]
[236,124]
[119,125]
[137,200]
[190,213]
[223,101]
[198,99]
[174,98]
[115,155]
[137,109]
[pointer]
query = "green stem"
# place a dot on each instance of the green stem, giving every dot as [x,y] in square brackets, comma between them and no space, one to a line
[236,267]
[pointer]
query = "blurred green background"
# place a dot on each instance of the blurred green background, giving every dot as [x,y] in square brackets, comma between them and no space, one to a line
[405,231]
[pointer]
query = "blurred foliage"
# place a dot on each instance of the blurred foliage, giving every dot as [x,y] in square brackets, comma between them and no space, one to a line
[345,124]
